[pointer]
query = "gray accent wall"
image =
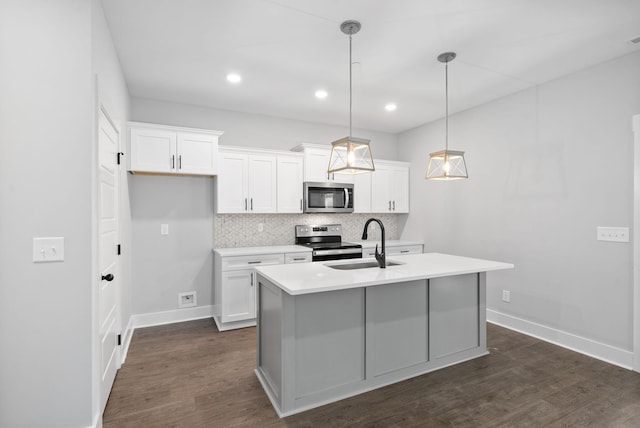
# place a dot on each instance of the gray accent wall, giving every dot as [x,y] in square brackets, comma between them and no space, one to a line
[547,166]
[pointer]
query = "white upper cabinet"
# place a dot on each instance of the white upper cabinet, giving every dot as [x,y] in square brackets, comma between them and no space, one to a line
[362,192]
[197,154]
[390,187]
[172,150]
[232,183]
[262,183]
[316,163]
[246,182]
[289,189]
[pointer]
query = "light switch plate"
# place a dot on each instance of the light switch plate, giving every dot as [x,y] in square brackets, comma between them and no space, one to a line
[164,229]
[614,234]
[48,250]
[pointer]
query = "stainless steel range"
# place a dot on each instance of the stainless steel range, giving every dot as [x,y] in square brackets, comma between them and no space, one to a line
[326,242]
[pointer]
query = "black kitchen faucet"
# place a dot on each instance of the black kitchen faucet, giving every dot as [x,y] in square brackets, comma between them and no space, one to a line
[380,257]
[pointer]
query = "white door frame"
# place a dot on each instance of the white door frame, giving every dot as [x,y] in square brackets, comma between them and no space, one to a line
[116,271]
[636,244]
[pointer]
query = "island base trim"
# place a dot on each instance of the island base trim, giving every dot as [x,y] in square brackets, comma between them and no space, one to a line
[364,390]
[582,345]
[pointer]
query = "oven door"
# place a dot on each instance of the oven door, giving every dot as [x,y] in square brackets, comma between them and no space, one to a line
[336,254]
[328,197]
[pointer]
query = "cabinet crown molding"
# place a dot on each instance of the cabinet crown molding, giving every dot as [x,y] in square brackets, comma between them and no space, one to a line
[242,149]
[132,124]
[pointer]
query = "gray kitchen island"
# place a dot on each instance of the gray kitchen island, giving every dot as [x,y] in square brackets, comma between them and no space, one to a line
[326,333]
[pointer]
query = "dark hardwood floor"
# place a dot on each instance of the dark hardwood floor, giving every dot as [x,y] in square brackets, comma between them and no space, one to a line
[191,375]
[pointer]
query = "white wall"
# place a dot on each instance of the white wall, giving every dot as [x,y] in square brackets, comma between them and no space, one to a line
[182,261]
[253,130]
[46,136]
[547,166]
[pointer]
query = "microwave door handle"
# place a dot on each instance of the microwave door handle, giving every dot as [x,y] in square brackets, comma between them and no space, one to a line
[346,197]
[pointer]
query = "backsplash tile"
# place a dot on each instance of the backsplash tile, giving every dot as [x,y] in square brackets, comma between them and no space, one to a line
[241,230]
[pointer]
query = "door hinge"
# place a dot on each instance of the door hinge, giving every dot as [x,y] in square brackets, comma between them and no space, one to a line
[119,249]
[119,154]
[119,339]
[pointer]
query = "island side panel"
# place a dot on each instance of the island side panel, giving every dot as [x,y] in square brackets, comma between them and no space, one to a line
[329,344]
[457,317]
[269,337]
[397,329]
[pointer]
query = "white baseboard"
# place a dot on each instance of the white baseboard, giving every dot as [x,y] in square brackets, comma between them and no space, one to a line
[126,340]
[170,317]
[601,351]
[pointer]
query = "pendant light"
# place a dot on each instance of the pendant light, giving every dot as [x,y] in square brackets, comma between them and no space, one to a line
[350,155]
[446,164]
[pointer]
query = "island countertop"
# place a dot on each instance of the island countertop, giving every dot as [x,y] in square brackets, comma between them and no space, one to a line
[307,278]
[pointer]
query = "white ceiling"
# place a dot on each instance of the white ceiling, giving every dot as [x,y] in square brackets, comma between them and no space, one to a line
[181,51]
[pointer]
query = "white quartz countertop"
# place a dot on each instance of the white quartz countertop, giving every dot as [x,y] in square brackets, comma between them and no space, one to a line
[307,278]
[371,243]
[250,251]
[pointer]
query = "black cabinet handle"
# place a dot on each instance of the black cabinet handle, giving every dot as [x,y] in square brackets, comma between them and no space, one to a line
[107,277]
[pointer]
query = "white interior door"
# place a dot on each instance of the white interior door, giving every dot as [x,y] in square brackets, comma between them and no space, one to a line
[107,247]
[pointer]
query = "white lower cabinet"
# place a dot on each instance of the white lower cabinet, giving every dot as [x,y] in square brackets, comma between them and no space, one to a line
[235,285]
[239,300]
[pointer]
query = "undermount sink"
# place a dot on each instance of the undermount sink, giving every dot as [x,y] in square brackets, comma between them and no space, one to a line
[359,265]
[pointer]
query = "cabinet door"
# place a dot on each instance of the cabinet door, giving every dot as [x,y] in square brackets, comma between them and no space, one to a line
[381,190]
[197,154]
[400,189]
[153,150]
[289,188]
[262,183]
[316,163]
[232,184]
[238,295]
[362,192]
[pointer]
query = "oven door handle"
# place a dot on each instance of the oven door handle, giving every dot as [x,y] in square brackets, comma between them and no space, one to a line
[337,252]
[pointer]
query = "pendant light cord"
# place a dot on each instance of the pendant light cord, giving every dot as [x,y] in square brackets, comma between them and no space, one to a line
[350,90]
[446,103]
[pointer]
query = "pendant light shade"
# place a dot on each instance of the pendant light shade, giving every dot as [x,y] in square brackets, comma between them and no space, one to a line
[446,164]
[350,155]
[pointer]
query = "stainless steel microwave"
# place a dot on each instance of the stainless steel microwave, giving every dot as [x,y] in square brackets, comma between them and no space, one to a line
[328,197]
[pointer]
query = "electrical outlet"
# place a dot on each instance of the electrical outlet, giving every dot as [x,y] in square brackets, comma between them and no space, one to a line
[187,300]
[614,234]
[260,227]
[506,296]
[164,229]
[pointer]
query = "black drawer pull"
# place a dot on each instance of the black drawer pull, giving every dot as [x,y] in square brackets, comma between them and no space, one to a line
[255,263]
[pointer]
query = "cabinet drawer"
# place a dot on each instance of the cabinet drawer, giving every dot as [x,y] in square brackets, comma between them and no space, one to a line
[394,251]
[297,257]
[244,262]
[406,249]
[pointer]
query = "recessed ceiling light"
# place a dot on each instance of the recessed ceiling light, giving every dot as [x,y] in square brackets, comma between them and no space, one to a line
[321,93]
[391,107]
[234,78]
